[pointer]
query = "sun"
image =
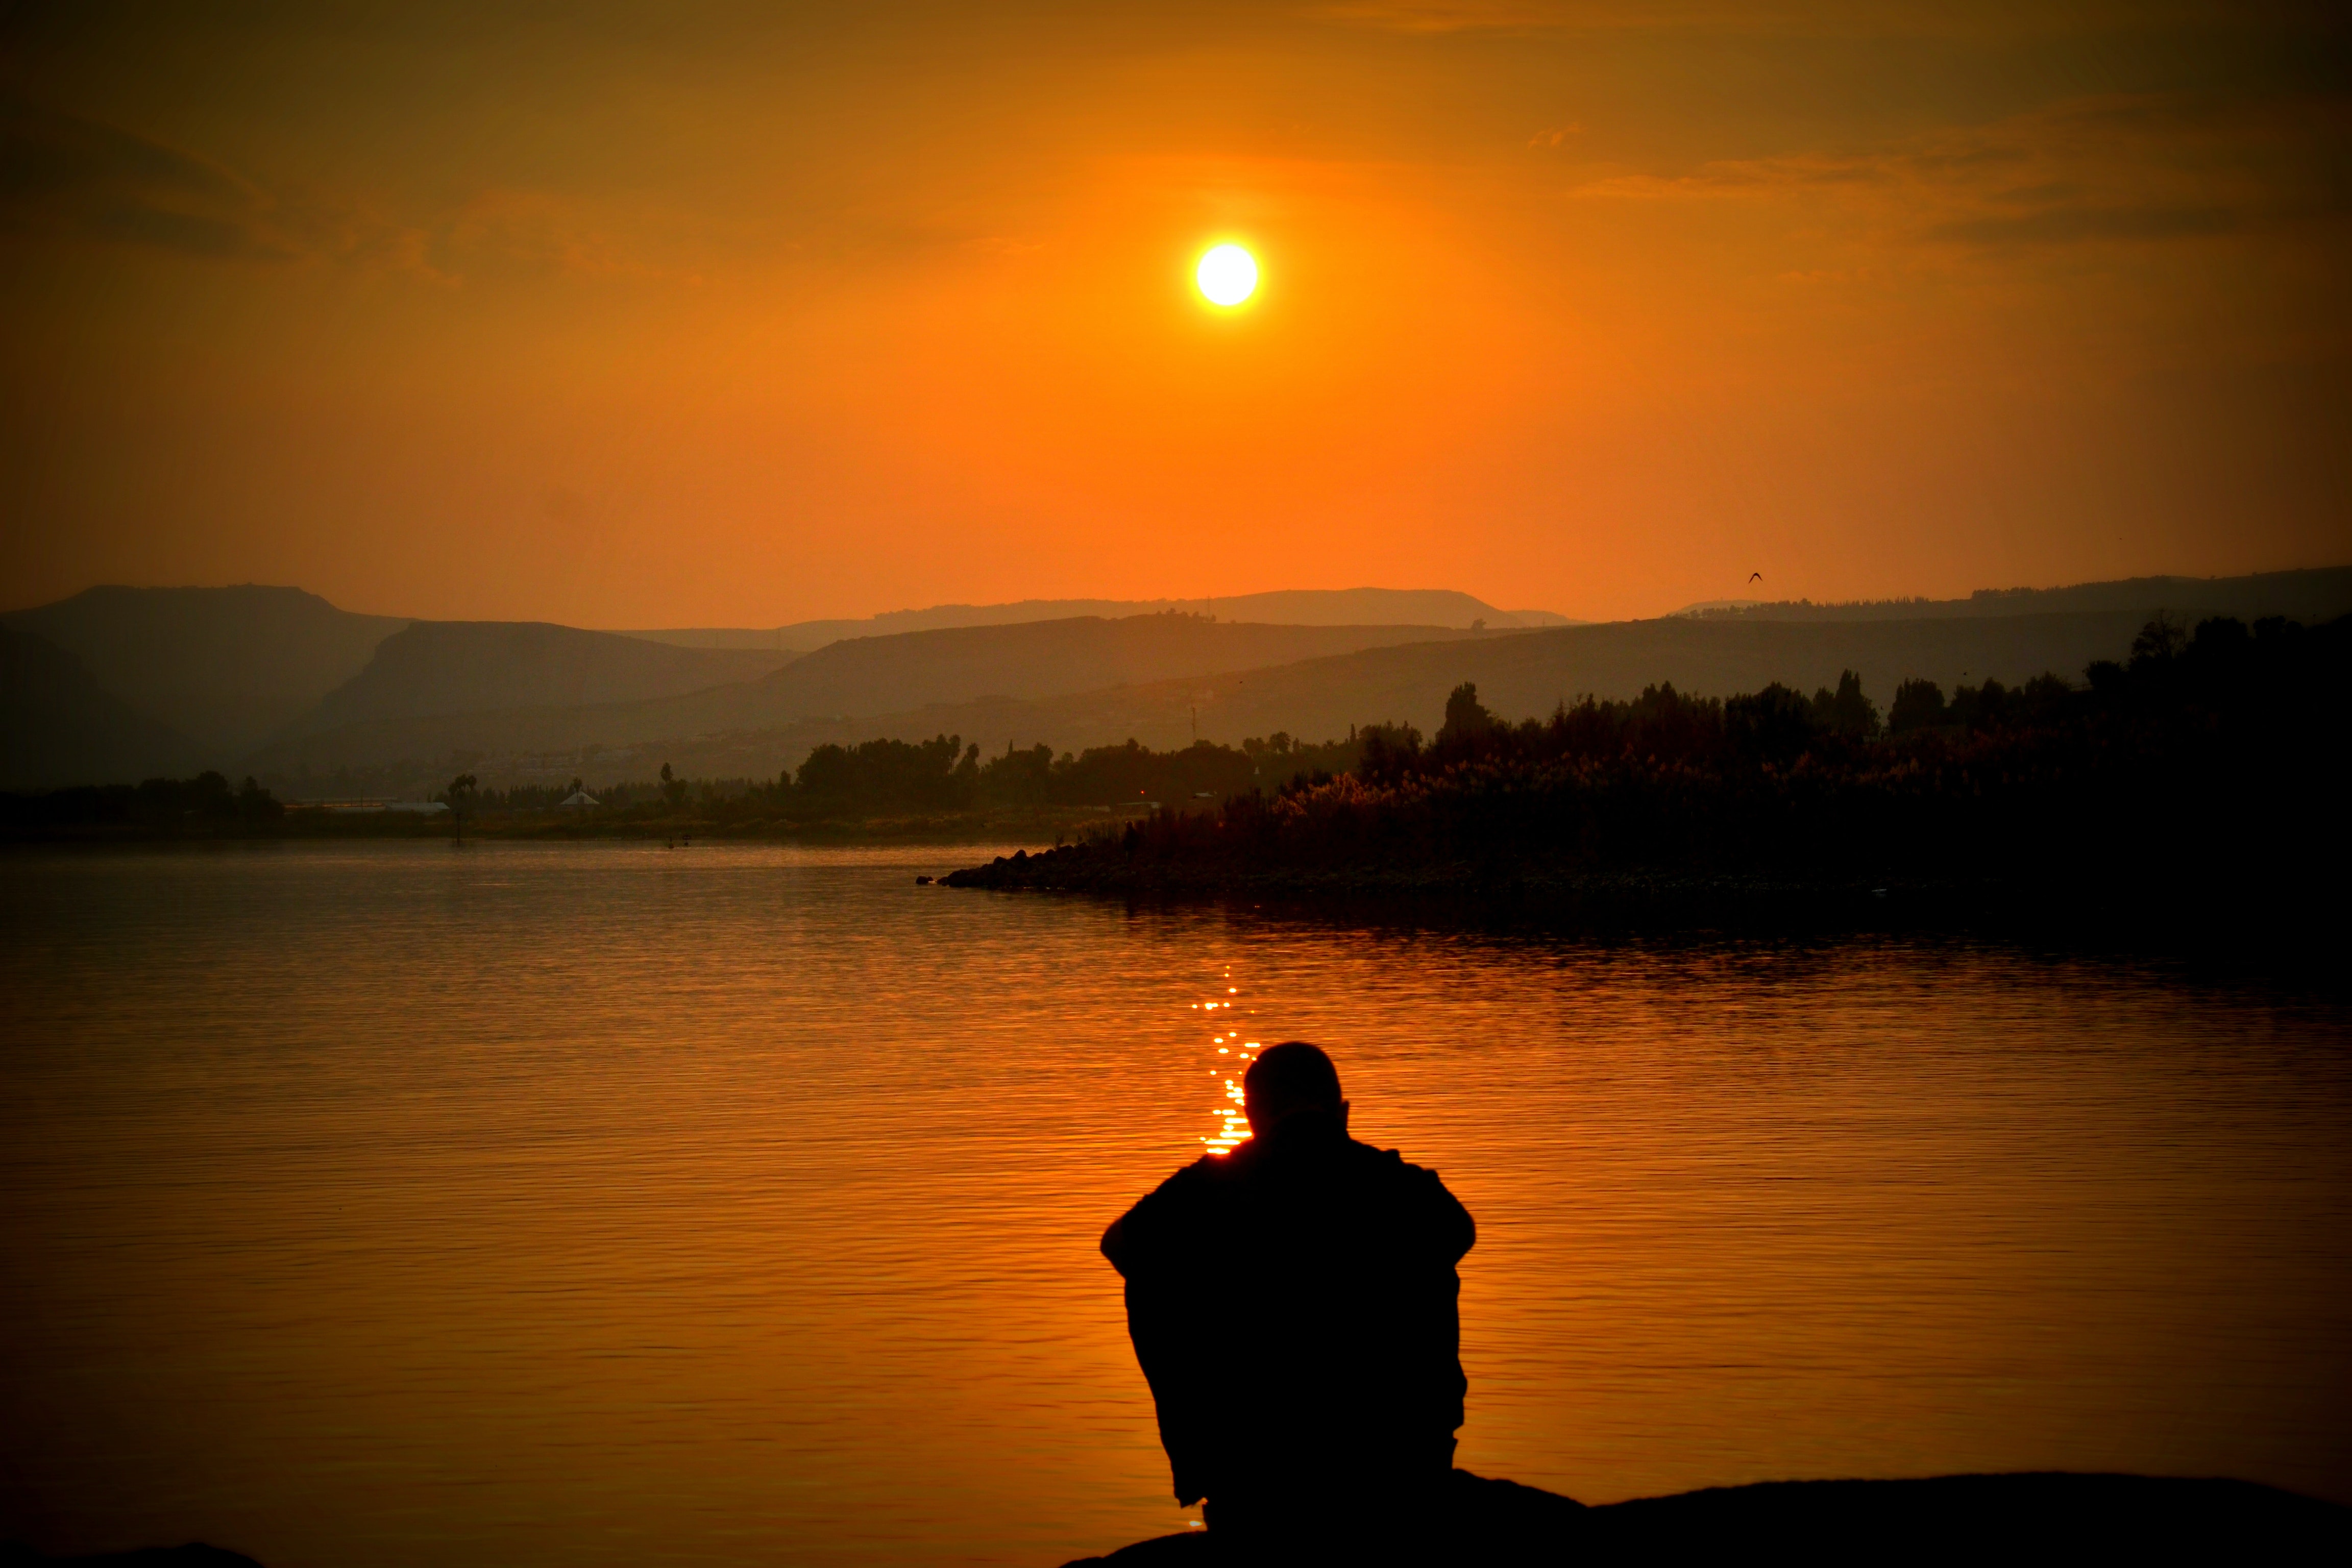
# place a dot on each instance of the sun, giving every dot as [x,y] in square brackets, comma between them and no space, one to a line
[1227,274]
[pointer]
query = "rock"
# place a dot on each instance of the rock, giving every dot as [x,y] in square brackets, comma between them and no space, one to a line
[2043,1514]
[1976,1518]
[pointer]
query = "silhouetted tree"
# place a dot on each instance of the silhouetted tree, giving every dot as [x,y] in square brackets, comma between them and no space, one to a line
[1387,751]
[1845,711]
[1773,726]
[2045,699]
[1019,777]
[874,776]
[673,788]
[2159,642]
[1918,705]
[1980,707]
[255,804]
[1466,721]
[457,797]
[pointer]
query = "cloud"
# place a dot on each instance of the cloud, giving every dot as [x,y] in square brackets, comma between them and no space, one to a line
[65,179]
[2141,170]
[63,175]
[1442,15]
[1844,18]
[2074,223]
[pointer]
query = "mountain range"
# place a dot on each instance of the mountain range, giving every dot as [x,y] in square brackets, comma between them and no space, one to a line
[2301,595]
[224,668]
[1289,607]
[119,683]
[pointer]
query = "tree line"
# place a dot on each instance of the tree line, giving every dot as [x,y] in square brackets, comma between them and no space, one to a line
[2226,722]
[2205,754]
[947,776]
[204,805]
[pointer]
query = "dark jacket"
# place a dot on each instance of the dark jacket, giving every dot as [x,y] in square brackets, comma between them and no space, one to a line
[1295,1306]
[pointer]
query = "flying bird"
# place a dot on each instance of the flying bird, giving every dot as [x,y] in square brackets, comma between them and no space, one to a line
[1756,576]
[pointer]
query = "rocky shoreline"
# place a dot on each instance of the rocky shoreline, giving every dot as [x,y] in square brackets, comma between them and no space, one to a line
[2044,1515]
[1103,869]
[1632,902]
[2091,1517]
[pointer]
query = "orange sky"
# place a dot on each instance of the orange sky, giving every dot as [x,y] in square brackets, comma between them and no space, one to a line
[740,314]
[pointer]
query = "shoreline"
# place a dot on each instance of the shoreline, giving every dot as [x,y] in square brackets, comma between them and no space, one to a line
[2089,1516]
[2238,916]
[947,831]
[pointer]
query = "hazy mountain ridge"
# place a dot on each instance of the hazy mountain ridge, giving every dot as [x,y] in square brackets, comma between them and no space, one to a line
[446,667]
[1029,661]
[859,678]
[226,668]
[2303,595]
[1521,675]
[1525,676]
[534,697]
[58,726]
[1288,607]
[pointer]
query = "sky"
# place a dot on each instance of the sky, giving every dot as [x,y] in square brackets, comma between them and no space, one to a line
[736,314]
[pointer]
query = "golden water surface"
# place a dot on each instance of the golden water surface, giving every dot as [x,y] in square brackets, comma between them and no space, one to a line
[603,1204]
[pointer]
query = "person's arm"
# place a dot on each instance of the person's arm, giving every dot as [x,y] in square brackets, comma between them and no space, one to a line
[1139,1239]
[1453,1231]
[1114,1243]
[1133,1241]
[1164,1324]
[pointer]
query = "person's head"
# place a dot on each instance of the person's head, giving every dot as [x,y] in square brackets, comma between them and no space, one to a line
[1287,1079]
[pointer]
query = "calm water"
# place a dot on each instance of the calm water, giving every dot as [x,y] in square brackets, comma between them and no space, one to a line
[602,1205]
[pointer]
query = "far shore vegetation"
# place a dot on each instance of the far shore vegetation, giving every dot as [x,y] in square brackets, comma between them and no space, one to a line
[2208,756]
[2210,764]
[940,790]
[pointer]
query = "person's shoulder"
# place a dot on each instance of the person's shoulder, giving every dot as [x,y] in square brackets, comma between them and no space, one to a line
[1416,1189]
[1389,1168]
[1164,1216]
[1388,1162]
[1203,1174]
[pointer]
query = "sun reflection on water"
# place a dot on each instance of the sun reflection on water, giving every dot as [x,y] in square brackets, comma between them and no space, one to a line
[1232,1124]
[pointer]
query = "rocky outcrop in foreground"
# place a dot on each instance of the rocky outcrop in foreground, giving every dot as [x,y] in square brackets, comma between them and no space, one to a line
[2088,1518]
[2043,1516]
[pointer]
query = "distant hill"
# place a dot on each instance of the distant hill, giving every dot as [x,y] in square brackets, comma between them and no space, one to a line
[1524,675]
[1028,660]
[1293,607]
[858,678]
[438,667]
[226,668]
[1519,675]
[2309,595]
[58,726]
[954,683]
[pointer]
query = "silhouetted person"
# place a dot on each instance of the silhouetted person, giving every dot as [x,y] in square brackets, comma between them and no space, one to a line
[1294,1306]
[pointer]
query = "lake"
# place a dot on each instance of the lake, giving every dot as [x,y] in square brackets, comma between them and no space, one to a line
[601,1204]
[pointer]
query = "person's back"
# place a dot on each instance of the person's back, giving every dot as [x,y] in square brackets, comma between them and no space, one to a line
[1294,1306]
